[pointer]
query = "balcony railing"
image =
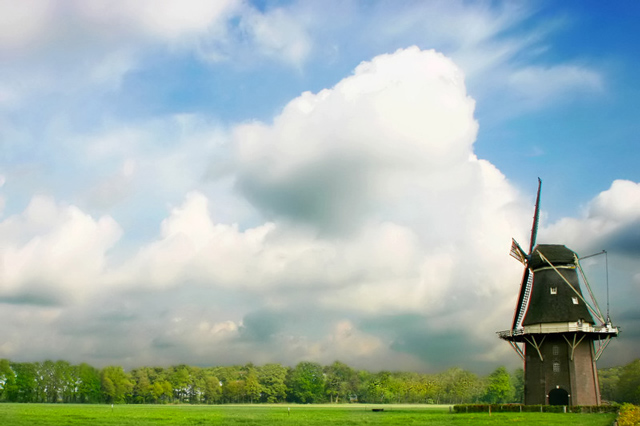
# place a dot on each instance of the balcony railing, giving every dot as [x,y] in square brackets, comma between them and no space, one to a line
[565,327]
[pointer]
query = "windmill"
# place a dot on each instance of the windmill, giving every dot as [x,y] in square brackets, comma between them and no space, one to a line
[553,328]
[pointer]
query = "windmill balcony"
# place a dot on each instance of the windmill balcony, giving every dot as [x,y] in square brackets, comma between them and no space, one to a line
[560,327]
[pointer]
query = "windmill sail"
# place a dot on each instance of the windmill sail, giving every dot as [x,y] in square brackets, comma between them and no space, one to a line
[527,277]
[523,298]
[536,218]
[517,253]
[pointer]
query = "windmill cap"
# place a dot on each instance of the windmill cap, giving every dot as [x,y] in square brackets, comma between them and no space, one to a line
[557,254]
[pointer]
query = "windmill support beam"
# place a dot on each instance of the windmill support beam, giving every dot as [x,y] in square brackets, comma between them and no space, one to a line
[517,348]
[602,347]
[573,345]
[532,341]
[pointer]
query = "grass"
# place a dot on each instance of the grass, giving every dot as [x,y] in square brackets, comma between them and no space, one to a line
[178,415]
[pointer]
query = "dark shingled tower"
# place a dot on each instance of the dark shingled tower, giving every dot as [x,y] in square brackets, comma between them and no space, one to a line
[553,329]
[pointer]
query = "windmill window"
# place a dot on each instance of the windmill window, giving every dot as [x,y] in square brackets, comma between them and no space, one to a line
[554,290]
[556,350]
[575,300]
[556,367]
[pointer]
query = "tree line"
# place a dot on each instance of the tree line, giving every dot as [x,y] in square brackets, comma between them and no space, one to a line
[307,382]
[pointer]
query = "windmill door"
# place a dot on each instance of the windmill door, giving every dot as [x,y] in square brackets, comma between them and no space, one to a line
[558,396]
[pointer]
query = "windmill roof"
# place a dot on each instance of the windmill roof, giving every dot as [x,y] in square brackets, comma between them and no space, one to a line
[557,254]
[553,298]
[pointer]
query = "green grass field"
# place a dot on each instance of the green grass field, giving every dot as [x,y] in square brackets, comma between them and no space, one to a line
[139,415]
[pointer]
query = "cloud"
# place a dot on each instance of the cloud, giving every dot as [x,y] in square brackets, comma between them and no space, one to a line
[500,46]
[610,221]
[169,20]
[53,253]
[621,202]
[20,24]
[371,201]
[330,157]
[278,34]
[428,223]
[87,48]
[414,334]
[541,85]
[368,201]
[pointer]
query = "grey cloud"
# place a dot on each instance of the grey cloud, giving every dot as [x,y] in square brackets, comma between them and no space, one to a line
[625,241]
[442,349]
[629,323]
[260,326]
[629,315]
[83,323]
[162,343]
[30,299]
[36,293]
[439,349]
[300,318]
[330,194]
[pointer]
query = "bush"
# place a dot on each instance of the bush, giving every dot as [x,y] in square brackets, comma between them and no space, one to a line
[629,415]
[515,408]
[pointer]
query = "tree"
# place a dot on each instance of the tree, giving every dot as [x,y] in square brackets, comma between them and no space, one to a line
[116,386]
[47,381]
[108,389]
[7,381]
[629,383]
[233,391]
[608,379]
[272,381]
[181,382]
[499,387]
[161,391]
[252,386]
[413,388]
[382,387]
[56,382]
[70,379]
[460,386]
[89,385]
[517,381]
[364,377]
[26,386]
[141,386]
[198,385]
[340,381]
[306,383]
[212,389]
[433,389]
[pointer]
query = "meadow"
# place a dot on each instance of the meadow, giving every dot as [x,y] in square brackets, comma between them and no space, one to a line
[140,415]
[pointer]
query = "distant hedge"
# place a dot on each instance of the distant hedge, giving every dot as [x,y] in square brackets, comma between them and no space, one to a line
[515,408]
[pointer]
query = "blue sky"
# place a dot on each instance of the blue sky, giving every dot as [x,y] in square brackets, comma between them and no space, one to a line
[306,180]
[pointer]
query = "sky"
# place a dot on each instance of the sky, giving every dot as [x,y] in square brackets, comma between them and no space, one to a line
[215,183]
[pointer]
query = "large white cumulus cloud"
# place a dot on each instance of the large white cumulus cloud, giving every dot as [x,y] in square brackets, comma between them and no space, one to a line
[401,122]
